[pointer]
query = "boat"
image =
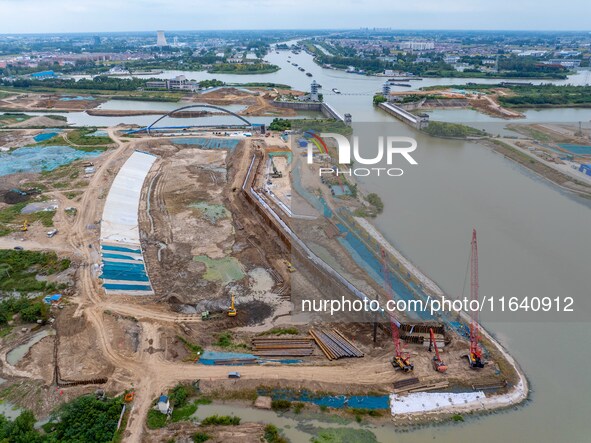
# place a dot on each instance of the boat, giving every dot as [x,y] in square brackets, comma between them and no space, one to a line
[309,74]
[336,91]
[401,84]
[301,69]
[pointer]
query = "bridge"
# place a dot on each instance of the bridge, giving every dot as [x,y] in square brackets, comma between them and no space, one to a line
[218,108]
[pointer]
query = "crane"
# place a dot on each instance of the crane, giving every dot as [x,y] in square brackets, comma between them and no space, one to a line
[475,356]
[438,364]
[399,361]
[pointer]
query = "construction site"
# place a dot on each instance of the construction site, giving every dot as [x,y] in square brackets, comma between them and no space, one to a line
[190,258]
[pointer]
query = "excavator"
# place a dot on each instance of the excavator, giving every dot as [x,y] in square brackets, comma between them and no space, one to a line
[232,311]
[25,227]
[475,355]
[438,364]
[276,173]
[399,361]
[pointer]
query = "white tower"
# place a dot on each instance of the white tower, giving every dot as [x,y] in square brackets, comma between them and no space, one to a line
[314,91]
[161,40]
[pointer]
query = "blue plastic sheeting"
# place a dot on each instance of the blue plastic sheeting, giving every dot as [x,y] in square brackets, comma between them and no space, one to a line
[120,249]
[362,255]
[337,401]
[124,271]
[98,133]
[338,190]
[118,256]
[40,158]
[576,149]
[209,357]
[209,143]
[123,287]
[44,136]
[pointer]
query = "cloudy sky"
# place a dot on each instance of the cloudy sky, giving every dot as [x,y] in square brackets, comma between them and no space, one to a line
[26,16]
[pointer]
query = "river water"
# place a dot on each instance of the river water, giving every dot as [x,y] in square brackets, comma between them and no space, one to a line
[533,238]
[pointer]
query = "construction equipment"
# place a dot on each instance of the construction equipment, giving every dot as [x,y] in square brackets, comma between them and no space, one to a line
[399,361]
[276,173]
[232,311]
[25,227]
[290,267]
[475,355]
[438,364]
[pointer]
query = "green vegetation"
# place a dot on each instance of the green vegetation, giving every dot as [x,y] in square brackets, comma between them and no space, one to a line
[272,435]
[358,412]
[195,350]
[156,419]
[81,137]
[243,68]
[281,331]
[457,417]
[19,271]
[184,412]
[547,95]
[221,420]
[200,437]
[376,202]
[379,98]
[12,215]
[226,340]
[455,130]
[280,124]
[20,430]
[280,405]
[210,83]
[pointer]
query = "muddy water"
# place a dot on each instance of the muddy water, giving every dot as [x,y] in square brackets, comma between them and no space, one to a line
[15,355]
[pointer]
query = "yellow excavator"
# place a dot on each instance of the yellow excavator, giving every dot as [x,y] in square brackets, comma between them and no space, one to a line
[25,227]
[232,311]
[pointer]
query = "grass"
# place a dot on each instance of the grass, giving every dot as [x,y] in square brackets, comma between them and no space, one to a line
[226,341]
[200,437]
[11,215]
[194,350]
[280,405]
[272,435]
[184,412]
[457,417]
[156,419]
[19,270]
[81,137]
[221,420]
[281,331]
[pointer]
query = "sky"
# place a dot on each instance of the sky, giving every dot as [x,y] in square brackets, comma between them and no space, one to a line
[41,16]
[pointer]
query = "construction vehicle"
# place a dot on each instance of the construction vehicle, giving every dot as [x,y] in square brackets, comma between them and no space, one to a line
[290,267]
[438,364]
[475,355]
[399,361]
[129,397]
[232,311]
[276,173]
[25,227]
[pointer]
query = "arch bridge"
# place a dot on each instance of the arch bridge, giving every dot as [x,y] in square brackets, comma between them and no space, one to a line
[218,108]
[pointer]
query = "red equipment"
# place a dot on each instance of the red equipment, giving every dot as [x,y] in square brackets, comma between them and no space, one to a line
[438,364]
[399,361]
[475,356]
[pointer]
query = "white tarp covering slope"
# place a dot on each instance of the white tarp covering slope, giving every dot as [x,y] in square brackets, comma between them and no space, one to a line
[433,401]
[120,216]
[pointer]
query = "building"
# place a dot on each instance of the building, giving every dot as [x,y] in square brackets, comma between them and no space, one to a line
[161,39]
[414,45]
[164,404]
[565,63]
[314,91]
[43,75]
[179,83]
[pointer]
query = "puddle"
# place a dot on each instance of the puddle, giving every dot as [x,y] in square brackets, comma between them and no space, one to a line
[225,270]
[14,356]
[261,280]
[213,213]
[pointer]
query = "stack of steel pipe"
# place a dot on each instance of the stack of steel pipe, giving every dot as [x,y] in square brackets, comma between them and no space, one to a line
[334,344]
[282,346]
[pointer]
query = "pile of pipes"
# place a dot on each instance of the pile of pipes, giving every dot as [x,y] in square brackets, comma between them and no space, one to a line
[334,344]
[282,346]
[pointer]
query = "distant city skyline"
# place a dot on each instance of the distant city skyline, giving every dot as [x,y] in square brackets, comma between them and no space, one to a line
[55,16]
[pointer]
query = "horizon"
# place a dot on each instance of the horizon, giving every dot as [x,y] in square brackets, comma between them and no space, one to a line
[70,16]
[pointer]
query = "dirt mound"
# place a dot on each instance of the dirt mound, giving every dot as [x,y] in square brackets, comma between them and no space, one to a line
[41,121]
